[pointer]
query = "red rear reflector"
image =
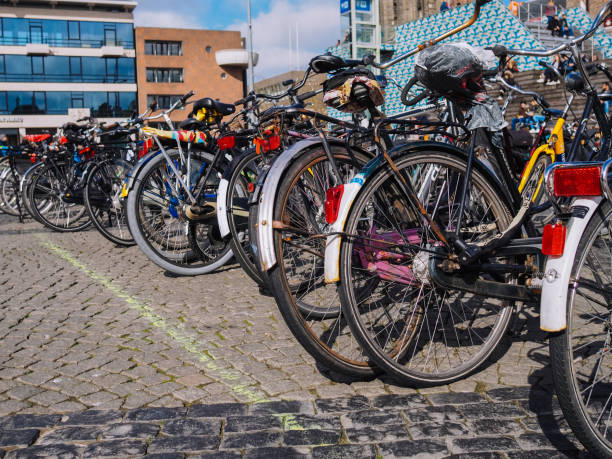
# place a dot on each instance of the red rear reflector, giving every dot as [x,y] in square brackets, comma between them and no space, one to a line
[580,181]
[553,240]
[333,196]
[251,187]
[225,143]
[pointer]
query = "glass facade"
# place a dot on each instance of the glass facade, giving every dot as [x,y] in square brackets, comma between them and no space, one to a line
[73,34]
[101,104]
[164,75]
[62,69]
[163,48]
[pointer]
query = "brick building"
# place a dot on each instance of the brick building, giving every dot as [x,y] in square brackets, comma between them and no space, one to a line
[171,62]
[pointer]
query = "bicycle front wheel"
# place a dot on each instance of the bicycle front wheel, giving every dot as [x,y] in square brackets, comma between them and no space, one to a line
[416,331]
[580,355]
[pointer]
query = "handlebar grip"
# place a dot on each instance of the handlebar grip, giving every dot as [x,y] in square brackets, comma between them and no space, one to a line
[307,95]
[543,64]
[543,102]
[186,97]
[353,62]
[245,100]
[288,82]
[499,50]
[85,118]
[368,59]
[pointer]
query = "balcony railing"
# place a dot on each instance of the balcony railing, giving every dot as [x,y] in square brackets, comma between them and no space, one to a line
[66,42]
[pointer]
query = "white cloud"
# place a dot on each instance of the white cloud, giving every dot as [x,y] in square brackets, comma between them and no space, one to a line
[155,13]
[274,34]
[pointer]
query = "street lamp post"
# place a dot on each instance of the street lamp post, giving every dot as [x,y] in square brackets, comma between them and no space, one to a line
[251,84]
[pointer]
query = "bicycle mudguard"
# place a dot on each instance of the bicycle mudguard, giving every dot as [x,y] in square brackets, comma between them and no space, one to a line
[553,305]
[267,199]
[222,193]
[351,190]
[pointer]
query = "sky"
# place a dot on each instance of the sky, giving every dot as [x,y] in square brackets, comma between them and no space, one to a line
[275,26]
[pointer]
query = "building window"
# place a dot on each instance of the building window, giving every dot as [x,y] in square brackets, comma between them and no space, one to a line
[163,48]
[101,104]
[18,31]
[163,101]
[163,75]
[67,69]
[209,49]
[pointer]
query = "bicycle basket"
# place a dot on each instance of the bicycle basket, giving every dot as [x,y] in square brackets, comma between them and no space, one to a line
[352,91]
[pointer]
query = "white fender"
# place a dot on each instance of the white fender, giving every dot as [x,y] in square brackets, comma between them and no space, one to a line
[553,304]
[267,198]
[332,247]
[221,208]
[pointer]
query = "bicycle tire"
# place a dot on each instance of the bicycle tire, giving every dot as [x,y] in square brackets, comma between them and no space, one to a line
[58,205]
[105,178]
[186,263]
[588,325]
[321,330]
[392,325]
[240,241]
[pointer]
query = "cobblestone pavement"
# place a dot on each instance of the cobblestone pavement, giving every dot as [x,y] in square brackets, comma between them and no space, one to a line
[102,353]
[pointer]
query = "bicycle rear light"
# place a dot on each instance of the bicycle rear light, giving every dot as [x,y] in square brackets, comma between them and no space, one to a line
[333,196]
[225,143]
[577,181]
[553,240]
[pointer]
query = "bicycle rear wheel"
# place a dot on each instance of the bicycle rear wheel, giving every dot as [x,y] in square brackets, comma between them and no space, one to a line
[103,200]
[416,331]
[580,355]
[50,202]
[310,307]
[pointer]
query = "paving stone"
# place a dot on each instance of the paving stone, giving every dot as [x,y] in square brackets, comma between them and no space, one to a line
[47,451]
[540,454]
[219,410]
[277,453]
[396,402]
[184,444]
[492,411]
[366,418]
[116,448]
[495,426]
[248,423]
[437,414]
[371,434]
[455,398]
[166,456]
[23,421]
[417,448]
[550,440]
[448,429]
[251,440]
[336,405]
[187,427]
[18,437]
[311,437]
[92,417]
[281,407]
[506,394]
[69,435]
[340,451]
[130,430]
[151,414]
[484,455]
[483,444]
[217,455]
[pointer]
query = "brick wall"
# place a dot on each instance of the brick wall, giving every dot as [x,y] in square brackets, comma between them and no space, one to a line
[200,70]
